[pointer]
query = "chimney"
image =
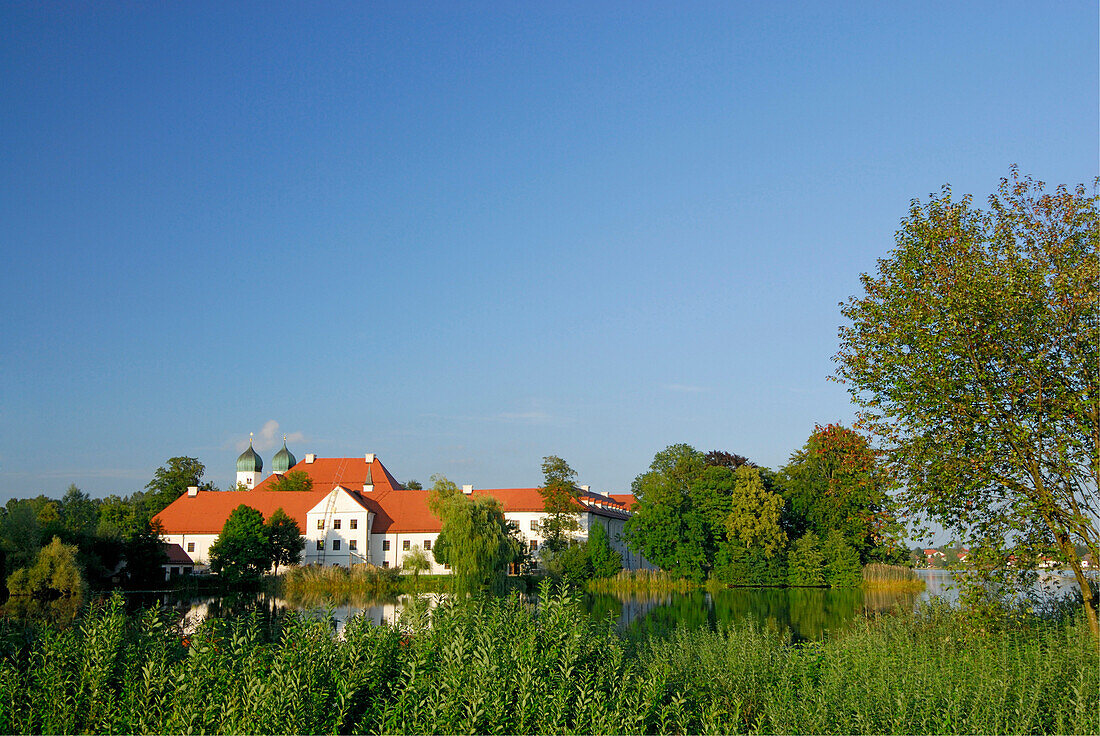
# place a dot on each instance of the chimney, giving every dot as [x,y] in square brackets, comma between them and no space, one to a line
[586,488]
[467,489]
[192,491]
[310,457]
[370,458]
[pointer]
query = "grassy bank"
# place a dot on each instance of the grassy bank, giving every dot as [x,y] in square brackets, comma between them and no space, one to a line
[641,581]
[311,584]
[505,666]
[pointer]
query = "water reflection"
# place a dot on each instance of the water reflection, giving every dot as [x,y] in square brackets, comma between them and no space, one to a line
[807,613]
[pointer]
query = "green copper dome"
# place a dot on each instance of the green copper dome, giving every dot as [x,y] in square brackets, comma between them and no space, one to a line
[283,460]
[249,461]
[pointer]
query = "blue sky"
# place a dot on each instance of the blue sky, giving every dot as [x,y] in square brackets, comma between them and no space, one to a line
[464,236]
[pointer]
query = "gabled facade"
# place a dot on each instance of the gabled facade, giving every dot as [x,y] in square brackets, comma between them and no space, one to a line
[358,513]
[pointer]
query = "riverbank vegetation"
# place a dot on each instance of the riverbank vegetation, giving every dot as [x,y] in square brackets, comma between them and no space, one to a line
[878,576]
[504,665]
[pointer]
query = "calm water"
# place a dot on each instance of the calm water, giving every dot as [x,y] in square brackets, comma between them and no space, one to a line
[807,612]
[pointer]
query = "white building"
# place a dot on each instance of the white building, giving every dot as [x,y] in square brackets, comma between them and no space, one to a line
[357,513]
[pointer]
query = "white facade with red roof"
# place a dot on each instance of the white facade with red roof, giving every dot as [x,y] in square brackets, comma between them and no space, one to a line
[358,513]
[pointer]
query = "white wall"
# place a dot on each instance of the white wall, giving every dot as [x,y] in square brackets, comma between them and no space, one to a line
[337,509]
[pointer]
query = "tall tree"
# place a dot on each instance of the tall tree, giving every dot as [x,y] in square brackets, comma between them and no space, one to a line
[835,482]
[974,353]
[666,527]
[559,497]
[755,513]
[284,539]
[170,481]
[241,552]
[474,537]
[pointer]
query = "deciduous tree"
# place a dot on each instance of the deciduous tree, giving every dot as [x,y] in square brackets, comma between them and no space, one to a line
[171,480]
[755,513]
[284,539]
[295,480]
[559,496]
[241,552]
[474,537]
[974,353]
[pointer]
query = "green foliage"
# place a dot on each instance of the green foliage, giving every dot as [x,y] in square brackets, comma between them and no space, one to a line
[974,353]
[241,553]
[170,481]
[284,539]
[559,495]
[55,574]
[416,561]
[835,483]
[504,666]
[603,558]
[474,540]
[313,585]
[842,567]
[295,481]
[806,562]
[413,485]
[736,564]
[754,518]
[665,527]
[572,563]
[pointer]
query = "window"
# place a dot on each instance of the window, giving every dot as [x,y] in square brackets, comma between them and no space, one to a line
[190,546]
[353,524]
[405,545]
[335,523]
[385,545]
[320,523]
[534,525]
[385,563]
[335,544]
[447,566]
[427,545]
[534,544]
[320,544]
[353,544]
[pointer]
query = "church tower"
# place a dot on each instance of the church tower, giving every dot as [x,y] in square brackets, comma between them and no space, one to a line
[283,461]
[249,466]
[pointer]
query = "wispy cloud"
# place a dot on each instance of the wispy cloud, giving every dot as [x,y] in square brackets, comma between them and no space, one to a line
[682,388]
[533,417]
[269,437]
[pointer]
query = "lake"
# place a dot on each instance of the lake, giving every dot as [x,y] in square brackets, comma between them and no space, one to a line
[806,612]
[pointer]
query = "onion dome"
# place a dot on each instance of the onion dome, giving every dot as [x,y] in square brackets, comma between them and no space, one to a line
[249,461]
[283,460]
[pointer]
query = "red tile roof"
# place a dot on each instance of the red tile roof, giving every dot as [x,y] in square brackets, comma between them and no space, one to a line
[626,499]
[206,512]
[396,509]
[349,472]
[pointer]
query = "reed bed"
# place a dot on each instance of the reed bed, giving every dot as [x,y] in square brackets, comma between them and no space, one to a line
[641,581]
[309,582]
[878,576]
[506,666]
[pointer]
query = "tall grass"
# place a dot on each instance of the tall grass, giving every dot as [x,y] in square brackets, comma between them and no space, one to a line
[878,576]
[641,581]
[337,584]
[504,665]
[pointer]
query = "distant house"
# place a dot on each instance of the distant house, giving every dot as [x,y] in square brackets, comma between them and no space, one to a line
[178,563]
[933,555]
[962,554]
[1088,562]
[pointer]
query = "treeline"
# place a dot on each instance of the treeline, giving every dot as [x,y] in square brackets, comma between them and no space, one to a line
[815,522]
[110,541]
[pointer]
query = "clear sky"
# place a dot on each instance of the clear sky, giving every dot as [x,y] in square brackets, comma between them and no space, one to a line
[464,236]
